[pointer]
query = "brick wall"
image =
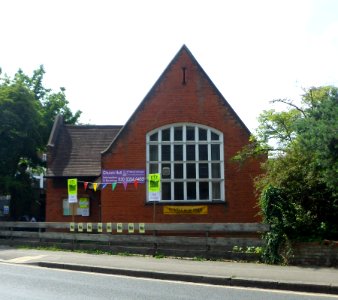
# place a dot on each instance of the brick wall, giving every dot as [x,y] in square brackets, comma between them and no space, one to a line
[57,191]
[169,102]
[315,254]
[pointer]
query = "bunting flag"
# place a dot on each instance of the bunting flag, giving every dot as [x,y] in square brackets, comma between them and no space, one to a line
[95,186]
[135,184]
[113,185]
[103,186]
[85,184]
[125,185]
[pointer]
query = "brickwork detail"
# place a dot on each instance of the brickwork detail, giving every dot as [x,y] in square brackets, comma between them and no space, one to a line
[315,254]
[170,101]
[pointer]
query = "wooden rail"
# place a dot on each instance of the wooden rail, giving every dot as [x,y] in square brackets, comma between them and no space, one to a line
[179,239]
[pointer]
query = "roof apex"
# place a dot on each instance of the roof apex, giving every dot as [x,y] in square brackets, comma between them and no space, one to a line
[183,48]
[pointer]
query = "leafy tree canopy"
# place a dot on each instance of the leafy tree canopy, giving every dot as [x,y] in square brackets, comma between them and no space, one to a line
[299,190]
[27,113]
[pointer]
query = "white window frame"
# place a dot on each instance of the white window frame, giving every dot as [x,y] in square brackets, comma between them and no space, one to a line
[184,142]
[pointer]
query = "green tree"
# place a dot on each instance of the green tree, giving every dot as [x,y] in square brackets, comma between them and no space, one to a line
[27,112]
[298,192]
[51,103]
[20,123]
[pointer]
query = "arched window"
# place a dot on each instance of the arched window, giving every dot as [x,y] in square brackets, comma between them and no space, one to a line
[190,159]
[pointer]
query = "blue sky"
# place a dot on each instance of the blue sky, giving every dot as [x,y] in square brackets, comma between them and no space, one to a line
[108,54]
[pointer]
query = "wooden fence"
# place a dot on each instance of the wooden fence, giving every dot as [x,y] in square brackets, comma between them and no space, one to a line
[176,239]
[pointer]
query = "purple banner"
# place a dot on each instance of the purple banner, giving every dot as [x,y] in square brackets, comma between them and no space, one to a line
[121,176]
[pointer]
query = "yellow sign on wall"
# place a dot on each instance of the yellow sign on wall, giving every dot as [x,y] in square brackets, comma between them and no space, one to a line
[185,210]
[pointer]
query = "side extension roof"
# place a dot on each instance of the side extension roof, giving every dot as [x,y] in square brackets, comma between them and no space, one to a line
[75,150]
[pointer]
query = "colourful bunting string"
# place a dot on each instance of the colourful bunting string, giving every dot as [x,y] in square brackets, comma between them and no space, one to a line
[100,186]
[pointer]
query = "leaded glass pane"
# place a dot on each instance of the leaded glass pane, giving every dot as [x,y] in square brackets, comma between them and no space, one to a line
[165,152]
[190,152]
[178,133]
[166,134]
[214,136]
[203,152]
[215,154]
[190,133]
[178,170]
[178,152]
[153,168]
[154,136]
[191,171]
[216,190]
[202,134]
[203,171]
[179,194]
[216,170]
[153,153]
[204,190]
[166,191]
[191,190]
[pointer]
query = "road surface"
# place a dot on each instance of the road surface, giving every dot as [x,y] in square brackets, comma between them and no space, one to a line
[28,282]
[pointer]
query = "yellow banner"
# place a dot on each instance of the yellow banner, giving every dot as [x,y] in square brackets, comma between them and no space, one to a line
[185,210]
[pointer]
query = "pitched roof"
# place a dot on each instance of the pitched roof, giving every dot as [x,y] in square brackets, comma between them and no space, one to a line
[162,77]
[75,150]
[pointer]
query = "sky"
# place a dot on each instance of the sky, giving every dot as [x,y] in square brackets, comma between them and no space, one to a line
[108,54]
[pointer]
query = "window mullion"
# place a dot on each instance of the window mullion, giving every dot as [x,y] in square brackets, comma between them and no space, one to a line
[197,167]
[184,171]
[209,168]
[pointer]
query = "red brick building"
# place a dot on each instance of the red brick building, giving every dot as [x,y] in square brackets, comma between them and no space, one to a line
[185,130]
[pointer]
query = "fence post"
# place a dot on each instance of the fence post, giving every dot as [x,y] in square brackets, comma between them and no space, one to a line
[155,243]
[207,246]
[39,234]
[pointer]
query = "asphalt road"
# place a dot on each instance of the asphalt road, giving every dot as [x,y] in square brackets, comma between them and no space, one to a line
[28,282]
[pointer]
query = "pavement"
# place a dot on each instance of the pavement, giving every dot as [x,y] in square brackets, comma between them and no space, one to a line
[293,278]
